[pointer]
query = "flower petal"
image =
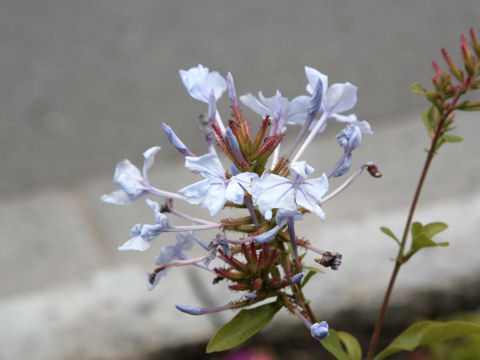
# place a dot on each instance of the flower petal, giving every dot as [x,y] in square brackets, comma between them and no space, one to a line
[253,103]
[215,199]
[129,179]
[208,165]
[340,98]
[148,156]
[118,197]
[301,168]
[137,243]
[268,235]
[196,192]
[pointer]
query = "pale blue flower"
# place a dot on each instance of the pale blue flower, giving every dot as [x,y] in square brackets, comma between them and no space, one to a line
[131,182]
[276,192]
[350,139]
[185,241]
[199,82]
[281,219]
[278,107]
[319,331]
[336,99]
[142,235]
[215,190]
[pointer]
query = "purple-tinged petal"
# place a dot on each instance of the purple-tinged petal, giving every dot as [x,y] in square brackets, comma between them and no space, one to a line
[296,278]
[231,90]
[175,141]
[192,310]
[268,235]
[316,100]
[319,331]
[313,76]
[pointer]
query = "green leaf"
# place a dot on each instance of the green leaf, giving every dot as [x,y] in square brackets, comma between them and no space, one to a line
[422,237]
[428,332]
[311,271]
[333,345]
[417,88]
[243,325]
[354,350]
[452,138]
[390,233]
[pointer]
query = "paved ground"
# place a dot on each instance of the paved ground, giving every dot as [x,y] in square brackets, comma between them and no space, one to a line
[86,84]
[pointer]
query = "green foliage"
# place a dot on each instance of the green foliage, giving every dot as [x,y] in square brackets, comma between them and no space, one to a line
[350,350]
[465,348]
[422,237]
[428,332]
[417,88]
[390,233]
[243,325]
[311,271]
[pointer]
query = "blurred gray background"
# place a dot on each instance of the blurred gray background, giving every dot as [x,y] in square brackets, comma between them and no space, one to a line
[85,84]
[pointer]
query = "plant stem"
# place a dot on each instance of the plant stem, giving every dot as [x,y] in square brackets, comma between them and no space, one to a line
[399,259]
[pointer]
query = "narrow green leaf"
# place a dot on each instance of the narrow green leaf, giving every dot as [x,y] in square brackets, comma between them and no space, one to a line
[354,350]
[311,271]
[333,345]
[243,325]
[390,233]
[452,138]
[428,332]
[417,88]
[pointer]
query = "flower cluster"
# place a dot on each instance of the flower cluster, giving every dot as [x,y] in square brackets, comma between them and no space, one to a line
[260,250]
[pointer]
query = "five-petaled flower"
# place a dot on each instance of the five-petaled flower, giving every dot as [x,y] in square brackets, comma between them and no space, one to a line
[215,190]
[131,182]
[199,83]
[277,192]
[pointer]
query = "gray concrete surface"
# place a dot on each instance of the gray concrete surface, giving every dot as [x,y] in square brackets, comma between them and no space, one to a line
[86,84]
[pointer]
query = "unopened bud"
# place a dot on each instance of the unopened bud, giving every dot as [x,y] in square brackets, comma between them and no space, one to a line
[373,170]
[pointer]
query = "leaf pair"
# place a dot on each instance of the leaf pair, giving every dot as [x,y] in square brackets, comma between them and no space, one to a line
[421,237]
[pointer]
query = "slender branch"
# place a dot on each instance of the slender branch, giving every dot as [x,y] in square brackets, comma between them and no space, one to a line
[399,262]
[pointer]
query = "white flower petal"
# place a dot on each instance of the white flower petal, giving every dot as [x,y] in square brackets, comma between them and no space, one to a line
[267,236]
[340,98]
[196,192]
[301,168]
[118,197]
[165,255]
[253,103]
[137,243]
[148,156]
[208,165]
[215,199]
[129,178]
